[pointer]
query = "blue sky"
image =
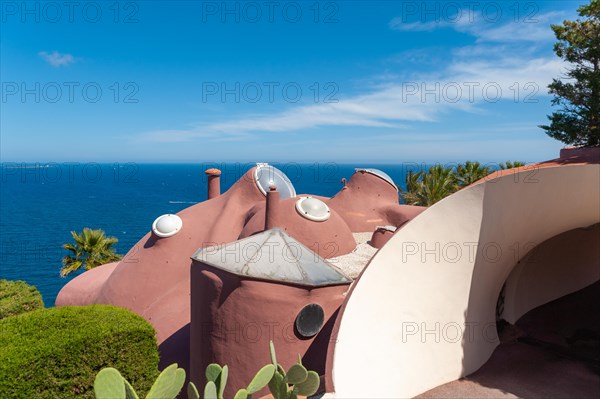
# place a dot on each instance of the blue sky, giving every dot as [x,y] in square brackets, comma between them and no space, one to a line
[343,81]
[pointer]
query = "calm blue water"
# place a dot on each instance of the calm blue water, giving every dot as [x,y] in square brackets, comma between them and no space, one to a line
[41,203]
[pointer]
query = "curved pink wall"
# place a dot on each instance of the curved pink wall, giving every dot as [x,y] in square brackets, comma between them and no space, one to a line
[234,318]
[367,201]
[155,272]
[153,279]
[329,239]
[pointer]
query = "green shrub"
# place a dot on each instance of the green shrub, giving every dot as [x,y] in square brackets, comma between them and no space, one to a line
[18,297]
[56,352]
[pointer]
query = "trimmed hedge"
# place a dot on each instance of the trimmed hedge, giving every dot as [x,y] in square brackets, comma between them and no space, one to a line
[18,297]
[57,352]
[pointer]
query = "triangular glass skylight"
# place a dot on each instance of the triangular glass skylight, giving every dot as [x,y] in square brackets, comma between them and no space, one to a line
[272,255]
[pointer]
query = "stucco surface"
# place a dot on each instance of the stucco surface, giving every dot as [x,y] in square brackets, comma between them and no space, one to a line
[153,279]
[233,319]
[424,308]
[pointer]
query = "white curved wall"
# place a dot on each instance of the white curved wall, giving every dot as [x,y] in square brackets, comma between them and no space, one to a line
[559,266]
[423,312]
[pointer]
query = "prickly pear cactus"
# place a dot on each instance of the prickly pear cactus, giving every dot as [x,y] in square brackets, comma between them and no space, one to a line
[309,386]
[109,384]
[192,391]
[297,381]
[168,384]
[261,379]
[296,374]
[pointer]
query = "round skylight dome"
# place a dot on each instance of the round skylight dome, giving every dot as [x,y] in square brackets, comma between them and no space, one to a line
[313,209]
[266,176]
[167,225]
[379,173]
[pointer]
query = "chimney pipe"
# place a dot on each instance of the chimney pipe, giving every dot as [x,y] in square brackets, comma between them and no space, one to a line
[272,208]
[214,182]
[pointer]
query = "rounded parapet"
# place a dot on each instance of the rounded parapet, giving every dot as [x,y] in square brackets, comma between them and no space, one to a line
[425,307]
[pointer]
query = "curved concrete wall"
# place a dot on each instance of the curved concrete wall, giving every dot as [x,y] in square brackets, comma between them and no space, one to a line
[423,311]
[559,266]
[233,319]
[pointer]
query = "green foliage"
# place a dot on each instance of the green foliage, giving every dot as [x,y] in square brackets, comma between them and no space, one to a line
[91,248]
[18,297]
[192,391]
[168,384]
[297,381]
[511,164]
[309,386]
[56,352]
[296,374]
[210,390]
[426,189]
[241,394]
[110,384]
[218,376]
[261,379]
[470,172]
[577,122]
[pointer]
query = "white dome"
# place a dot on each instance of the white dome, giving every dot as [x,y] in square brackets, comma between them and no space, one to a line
[167,225]
[266,175]
[379,173]
[313,209]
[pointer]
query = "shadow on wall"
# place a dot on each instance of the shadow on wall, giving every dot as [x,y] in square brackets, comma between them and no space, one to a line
[554,349]
[171,349]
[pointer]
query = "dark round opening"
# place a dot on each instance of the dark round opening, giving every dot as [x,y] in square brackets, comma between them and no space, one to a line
[310,320]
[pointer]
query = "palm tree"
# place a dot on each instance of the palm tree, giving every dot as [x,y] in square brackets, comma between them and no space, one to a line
[410,196]
[438,183]
[511,164]
[91,248]
[470,172]
[426,189]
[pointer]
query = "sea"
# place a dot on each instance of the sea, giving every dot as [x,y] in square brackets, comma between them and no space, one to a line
[41,203]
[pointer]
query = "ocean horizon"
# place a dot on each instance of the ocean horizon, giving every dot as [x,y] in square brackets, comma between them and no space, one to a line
[41,203]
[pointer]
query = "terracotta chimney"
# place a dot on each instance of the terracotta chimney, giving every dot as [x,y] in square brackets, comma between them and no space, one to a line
[272,208]
[214,182]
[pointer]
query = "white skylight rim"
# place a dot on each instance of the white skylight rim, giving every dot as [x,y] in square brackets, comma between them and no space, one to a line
[379,173]
[167,225]
[266,175]
[313,209]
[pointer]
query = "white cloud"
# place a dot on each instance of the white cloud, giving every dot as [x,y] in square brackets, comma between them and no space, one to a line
[498,67]
[399,24]
[57,59]
[464,86]
[534,29]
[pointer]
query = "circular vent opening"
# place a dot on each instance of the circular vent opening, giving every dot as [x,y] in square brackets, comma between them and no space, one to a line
[167,225]
[313,209]
[310,320]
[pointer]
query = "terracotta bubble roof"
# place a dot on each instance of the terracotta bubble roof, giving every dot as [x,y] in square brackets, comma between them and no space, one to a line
[272,255]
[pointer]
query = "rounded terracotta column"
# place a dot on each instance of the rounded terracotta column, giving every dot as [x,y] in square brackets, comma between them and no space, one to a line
[272,211]
[214,182]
